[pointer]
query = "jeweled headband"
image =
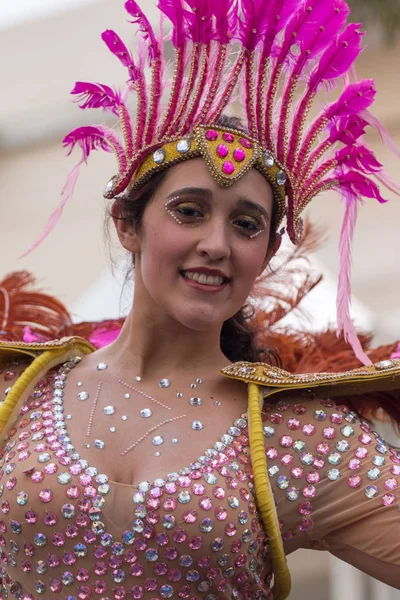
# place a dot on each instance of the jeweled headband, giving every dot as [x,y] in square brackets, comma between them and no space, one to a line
[270,57]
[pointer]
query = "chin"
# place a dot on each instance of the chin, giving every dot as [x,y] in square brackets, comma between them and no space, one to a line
[201,320]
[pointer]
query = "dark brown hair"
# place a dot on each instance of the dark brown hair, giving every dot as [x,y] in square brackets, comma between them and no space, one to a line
[237,338]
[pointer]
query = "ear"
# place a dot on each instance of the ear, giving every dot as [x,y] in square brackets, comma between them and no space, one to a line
[127,234]
[272,251]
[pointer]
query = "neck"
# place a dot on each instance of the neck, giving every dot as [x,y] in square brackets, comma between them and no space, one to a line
[156,345]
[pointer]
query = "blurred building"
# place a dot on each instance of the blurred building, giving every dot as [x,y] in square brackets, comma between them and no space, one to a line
[47,46]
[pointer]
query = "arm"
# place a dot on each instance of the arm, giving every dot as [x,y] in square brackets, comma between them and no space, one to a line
[335,483]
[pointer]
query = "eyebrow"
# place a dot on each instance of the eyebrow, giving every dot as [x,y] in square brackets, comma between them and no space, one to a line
[207,194]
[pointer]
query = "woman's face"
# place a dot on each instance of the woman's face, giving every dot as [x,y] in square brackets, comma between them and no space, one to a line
[201,246]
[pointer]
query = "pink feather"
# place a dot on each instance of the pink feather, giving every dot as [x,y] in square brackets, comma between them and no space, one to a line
[226,19]
[358,157]
[96,95]
[200,23]
[338,57]
[254,23]
[118,48]
[359,185]
[103,336]
[178,16]
[140,19]
[347,129]
[343,302]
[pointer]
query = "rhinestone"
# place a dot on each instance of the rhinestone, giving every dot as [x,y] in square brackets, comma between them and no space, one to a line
[157,454]
[179,395]
[195,401]
[146,413]
[268,159]
[198,380]
[217,403]
[385,364]
[99,444]
[110,184]
[79,383]
[174,440]
[101,366]
[138,378]
[157,440]
[197,425]
[183,146]
[371,491]
[83,396]
[164,383]
[159,156]
[127,396]
[124,418]
[281,178]
[193,386]
[109,410]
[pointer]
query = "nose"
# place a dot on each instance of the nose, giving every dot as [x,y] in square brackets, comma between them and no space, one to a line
[214,241]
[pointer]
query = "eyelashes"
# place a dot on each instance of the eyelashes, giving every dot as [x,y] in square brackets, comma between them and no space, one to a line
[191,206]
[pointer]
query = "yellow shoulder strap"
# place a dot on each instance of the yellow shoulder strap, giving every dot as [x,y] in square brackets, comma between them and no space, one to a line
[265,499]
[45,357]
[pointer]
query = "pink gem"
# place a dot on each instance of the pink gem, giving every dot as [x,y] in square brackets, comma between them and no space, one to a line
[211,135]
[198,489]
[24,455]
[50,518]
[195,543]
[190,516]
[336,418]
[228,167]
[169,504]
[184,481]
[318,463]
[100,587]
[82,575]
[313,477]
[84,592]
[361,452]
[299,409]
[309,491]
[388,499]
[51,468]
[286,441]
[170,487]
[236,546]
[289,535]
[354,463]
[323,448]
[391,484]
[395,470]
[31,516]
[239,155]
[329,433]
[55,586]
[308,429]
[206,503]
[241,560]
[46,496]
[305,508]
[149,584]
[293,424]
[156,492]
[220,513]
[245,143]
[219,492]
[222,150]
[73,492]
[276,418]
[305,525]
[179,536]
[365,438]
[286,459]
[297,472]
[354,481]
[228,137]
[271,453]
[37,476]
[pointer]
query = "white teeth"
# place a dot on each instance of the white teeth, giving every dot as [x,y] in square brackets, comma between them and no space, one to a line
[204,279]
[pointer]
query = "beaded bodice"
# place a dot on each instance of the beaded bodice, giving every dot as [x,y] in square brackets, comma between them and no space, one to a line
[67,531]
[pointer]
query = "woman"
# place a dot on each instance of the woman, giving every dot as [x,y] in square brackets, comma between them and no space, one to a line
[139,470]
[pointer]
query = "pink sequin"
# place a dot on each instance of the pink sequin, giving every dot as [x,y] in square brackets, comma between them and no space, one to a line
[239,155]
[286,441]
[391,484]
[297,472]
[246,143]
[222,150]
[361,452]
[228,137]
[271,453]
[308,429]
[293,424]
[46,495]
[388,499]
[354,481]
[228,167]
[329,433]
[354,463]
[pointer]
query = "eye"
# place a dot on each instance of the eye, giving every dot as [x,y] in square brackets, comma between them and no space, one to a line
[189,209]
[248,225]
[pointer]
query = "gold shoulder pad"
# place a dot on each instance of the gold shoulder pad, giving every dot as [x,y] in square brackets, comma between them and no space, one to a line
[382,376]
[9,350]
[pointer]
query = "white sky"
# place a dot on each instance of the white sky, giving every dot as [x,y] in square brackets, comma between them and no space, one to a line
[14,12]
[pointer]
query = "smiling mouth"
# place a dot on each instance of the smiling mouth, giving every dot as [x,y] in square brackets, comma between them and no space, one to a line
[203,279]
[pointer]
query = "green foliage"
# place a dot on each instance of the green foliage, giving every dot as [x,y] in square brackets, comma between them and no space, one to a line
[384,14]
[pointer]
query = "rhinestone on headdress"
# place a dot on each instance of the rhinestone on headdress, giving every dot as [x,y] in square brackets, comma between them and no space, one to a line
[159,156]
[281,178]
[183,146]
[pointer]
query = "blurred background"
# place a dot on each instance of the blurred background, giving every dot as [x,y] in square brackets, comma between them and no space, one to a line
[47,45]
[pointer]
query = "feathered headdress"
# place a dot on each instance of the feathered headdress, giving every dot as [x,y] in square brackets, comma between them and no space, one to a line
[275,57]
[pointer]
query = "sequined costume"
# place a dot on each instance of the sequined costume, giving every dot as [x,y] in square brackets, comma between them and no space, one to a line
[68,531]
